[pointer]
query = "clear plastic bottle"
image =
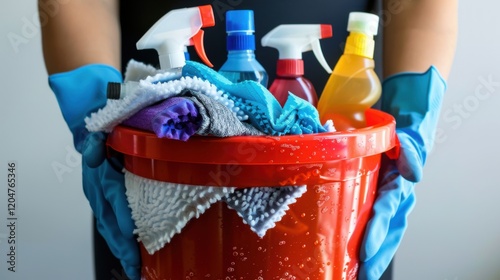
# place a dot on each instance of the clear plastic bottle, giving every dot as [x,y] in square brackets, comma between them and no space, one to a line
[241,63]
[353,85]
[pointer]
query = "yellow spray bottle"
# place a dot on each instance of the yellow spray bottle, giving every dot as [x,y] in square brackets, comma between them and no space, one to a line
[353,85]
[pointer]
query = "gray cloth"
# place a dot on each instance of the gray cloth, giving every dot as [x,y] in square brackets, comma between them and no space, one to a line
[217,119]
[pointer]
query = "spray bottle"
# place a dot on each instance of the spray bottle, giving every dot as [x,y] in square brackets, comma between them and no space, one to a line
[292,40]
[241,64]
[353,86]
[170,36]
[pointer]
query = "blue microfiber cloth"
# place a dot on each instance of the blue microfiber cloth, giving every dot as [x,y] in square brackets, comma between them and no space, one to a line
[174,118]
[264,112]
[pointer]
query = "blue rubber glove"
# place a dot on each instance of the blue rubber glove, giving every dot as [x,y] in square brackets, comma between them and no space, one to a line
[80,92]
[414,99]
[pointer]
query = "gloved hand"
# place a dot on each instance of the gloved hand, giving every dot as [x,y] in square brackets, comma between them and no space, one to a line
[414,99]
[80,92]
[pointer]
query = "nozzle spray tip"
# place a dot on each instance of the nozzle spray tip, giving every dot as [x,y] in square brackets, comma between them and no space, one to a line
[326,31]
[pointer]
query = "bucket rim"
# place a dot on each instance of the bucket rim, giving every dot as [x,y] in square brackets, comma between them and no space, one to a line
[378,137]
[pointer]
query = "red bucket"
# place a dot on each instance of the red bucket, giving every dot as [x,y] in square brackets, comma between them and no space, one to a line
[320,235]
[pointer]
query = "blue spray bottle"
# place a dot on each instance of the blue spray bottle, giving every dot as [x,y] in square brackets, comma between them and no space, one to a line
[241,63]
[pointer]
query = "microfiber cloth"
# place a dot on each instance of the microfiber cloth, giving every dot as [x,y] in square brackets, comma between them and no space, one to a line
[160,210]
[173,118]
[262,207]
[151,90]
[263,110]
[249,100]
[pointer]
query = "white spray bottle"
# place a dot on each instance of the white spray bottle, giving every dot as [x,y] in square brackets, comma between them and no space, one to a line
[169,36]
[292,40]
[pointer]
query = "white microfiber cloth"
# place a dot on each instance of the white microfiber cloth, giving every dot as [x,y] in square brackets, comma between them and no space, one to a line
[160,210]
[137,71]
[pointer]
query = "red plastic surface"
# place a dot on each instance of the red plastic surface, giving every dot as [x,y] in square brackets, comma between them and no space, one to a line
[319,237]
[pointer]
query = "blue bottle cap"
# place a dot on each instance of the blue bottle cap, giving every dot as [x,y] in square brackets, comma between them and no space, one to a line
[240,21]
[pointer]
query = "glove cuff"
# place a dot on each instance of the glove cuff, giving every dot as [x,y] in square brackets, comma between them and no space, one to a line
[80,92]
[414,99]
[412,92]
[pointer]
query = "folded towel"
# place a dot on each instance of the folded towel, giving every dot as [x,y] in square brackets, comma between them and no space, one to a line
[160,210]
[174,118]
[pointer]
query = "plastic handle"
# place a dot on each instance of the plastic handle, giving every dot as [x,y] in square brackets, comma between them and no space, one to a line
[316,48]
[197,41]
[292,40]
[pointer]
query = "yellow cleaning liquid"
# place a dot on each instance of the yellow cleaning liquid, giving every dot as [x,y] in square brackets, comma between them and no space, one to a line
[353,85]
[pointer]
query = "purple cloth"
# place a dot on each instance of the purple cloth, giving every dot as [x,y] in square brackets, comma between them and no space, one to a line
[174,118]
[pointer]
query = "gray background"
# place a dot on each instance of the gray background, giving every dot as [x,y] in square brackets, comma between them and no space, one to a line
[454,233]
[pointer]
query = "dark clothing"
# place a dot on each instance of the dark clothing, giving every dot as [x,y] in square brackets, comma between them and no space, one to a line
[138,16]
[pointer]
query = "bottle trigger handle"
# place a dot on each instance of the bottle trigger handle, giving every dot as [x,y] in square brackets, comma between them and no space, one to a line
[197,42]
[316,48]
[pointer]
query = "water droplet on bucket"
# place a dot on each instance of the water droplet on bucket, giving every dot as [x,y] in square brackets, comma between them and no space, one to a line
[282,243]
